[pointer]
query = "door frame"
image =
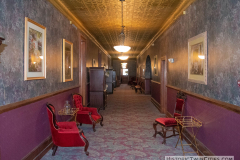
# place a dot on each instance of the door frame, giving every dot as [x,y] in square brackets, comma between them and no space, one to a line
[163,91]
[82,69]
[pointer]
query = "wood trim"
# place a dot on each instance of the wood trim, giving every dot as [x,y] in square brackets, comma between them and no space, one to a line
[156,104]
[222,104]
[39,151]
[203,150]
[155,82]
[12,106]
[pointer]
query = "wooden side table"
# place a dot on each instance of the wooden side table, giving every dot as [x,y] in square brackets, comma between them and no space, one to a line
[188,122]
[72,112]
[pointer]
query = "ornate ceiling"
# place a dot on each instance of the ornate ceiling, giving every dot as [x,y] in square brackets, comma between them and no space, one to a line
[143,19]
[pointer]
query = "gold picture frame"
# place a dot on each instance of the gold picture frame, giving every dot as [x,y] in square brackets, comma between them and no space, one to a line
[67,61]
[197,59]
[34,50]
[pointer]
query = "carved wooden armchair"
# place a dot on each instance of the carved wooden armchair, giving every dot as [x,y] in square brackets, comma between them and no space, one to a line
[86,115]
[65,134]
[168,123]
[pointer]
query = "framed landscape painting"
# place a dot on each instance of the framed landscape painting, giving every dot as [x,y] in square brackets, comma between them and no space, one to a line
[197,59]
[34,50]
[67,61]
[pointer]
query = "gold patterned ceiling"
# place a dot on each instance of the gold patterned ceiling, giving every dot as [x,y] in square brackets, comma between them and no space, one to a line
[143,19]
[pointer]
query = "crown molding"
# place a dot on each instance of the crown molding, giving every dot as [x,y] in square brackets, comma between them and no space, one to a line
[178,12]
[63,9]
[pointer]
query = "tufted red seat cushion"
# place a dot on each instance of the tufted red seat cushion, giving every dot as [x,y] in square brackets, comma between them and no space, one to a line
[167,121]
[78,101]
[96,117]
[67,125]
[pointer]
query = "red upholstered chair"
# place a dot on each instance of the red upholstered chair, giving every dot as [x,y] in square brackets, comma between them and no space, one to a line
[167,123]
[65,134]
[86,115]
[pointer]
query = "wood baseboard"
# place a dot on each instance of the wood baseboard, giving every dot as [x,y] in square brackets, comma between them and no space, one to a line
[156,104]
[188,137]
[38,152]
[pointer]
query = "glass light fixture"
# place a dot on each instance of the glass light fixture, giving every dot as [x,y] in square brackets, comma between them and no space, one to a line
[171,60]
[201,56]
[123,57]
[121,47]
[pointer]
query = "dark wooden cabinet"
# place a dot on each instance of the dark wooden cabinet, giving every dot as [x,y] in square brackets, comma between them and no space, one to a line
[109,81]
[114,79]
[98,96]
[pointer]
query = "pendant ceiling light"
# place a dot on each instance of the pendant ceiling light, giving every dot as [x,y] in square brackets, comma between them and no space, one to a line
[121,47]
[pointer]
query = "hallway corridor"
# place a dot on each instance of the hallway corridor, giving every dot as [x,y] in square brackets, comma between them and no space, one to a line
[126,134]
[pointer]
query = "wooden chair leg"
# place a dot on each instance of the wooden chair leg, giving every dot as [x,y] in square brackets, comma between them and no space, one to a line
[54,150]
[94,124]
[155,129]
[101,122]
[173,128]
[86,147]
[164,135]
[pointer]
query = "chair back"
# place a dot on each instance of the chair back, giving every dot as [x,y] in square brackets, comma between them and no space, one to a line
[179,105]
[52,116]
[53,122]
[77,101]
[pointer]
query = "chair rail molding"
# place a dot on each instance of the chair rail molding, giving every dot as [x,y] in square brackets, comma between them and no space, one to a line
[15,105]
[222,104]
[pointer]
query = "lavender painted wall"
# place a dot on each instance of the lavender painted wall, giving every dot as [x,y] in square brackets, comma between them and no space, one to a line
[220,130]
[24,128]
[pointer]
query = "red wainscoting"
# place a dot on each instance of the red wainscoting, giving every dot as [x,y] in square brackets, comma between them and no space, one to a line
[155,91]
[147,86]
[220,132]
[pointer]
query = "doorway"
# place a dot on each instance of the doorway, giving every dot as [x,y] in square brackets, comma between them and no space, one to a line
[124,76]
[82,70]
[163,85]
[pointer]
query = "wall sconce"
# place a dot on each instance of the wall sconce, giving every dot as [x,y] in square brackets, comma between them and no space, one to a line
[171,60]
[2,38]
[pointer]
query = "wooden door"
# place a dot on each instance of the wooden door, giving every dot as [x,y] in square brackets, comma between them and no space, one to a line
[82,70]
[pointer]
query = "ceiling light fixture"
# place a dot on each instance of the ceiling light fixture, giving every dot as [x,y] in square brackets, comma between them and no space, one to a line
[201,56]
[121,47]
[123,57]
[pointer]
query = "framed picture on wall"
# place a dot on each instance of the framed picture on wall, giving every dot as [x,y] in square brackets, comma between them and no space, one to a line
[155,69]
[93,63]
[67,61]
[197,59]
[34,50]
